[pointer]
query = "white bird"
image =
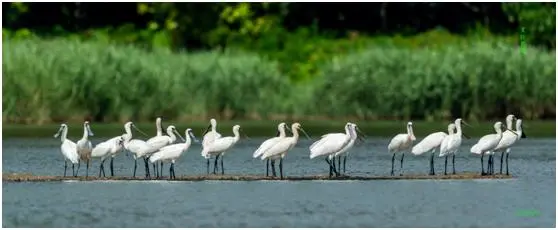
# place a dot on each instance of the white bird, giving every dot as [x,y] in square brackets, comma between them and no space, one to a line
[509,139]
[487,143]
[159,128]
[279,150]
[68,148]
[354,130]
[401,143]
[270,142]
[218,148]
[173,152]
[105,149]
[159,142]
[139,149]
[210,133]
[430,143]
[84,147]
[126,137]
[330,144]
[451,143]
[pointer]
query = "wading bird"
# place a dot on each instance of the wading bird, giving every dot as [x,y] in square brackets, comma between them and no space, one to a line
[279,150]
[162,141]
[401,143]
[171,153]
[430,143]
[218,148]
[508,139]
[68,148]
[270,142]
[487,143]
[451,143]
[105,150]
[355,131]
[84,147]
[330,144]
[159,129]
[126,137]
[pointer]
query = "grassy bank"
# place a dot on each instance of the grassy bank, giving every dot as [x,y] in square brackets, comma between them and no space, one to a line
[47,81]
[315,129]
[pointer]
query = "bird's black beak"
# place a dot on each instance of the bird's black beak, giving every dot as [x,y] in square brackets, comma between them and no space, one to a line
[206,129]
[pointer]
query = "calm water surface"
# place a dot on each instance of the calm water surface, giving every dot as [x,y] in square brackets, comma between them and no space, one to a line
[526,201]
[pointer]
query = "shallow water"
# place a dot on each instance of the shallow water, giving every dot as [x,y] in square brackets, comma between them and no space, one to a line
[525,201]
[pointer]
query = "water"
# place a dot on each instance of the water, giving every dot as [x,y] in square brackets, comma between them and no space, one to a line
[526,201]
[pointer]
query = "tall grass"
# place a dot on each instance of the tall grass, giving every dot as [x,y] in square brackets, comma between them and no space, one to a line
[479,81]
[60,79]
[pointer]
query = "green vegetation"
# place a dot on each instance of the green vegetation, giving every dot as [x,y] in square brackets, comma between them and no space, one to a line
[69,79]
[253,129]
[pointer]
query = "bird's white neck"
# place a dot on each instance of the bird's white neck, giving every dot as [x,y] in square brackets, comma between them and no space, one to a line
[128,130]
[85,133]
[410,133]
[282,132]
[64,134]
[171,135]
[518,129]
[459,132]
[295,134]
[159,130]
[353,133]
[236,135]
[509,123]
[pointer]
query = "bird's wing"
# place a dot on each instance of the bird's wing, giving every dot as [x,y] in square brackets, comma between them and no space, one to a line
[430,142]
[159,142]
[220,145]
[330,144]
[279,148]
[483,143]
[323,139]
[444,147]
[100,149]
[69,149]
[508,139]
[135,145]
[264,146]
[168,152]
[396,141]
[208,138]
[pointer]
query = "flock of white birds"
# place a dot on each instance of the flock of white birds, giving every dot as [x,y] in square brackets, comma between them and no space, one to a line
[162,148]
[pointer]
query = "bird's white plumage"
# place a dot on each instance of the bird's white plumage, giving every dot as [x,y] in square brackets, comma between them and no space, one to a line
[429,143]
[451,142]
[331,143]
[212,135]
[351,141]
[172,152]
[163,140]
[68,147]
[84,146]
[105,149]
[271,141]
[159,131]
[487,143]
[283,146]
[220,145]
[508,138]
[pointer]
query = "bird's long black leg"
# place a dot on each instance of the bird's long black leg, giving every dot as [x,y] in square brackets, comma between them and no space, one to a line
[344,163]
[66,167]
[432,159]
[87,169]
[267,168]
[281,168]
[77,171]
[207,166]
[215,164]
[401,167]
[482,165]
[446,166]
[501,161]
[453,163]
[392,163]
[146,166]
[135,167]
[330,168]
[73,171]
[507,169]
[111,166]
[339,164]
[273,172]
[161,169]
[222,168]
[170,171]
